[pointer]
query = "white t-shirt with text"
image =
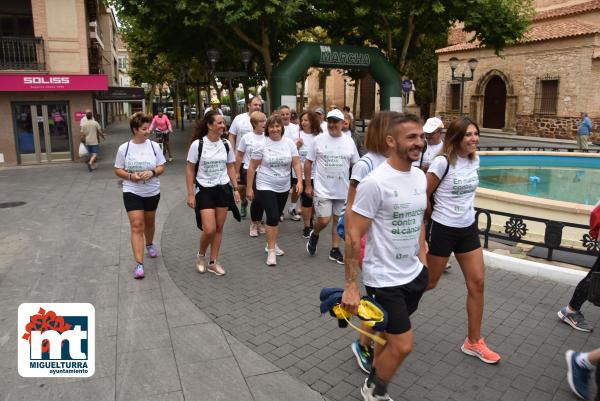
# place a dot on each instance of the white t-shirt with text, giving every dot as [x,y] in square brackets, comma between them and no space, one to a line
[455,195]
[307,142]
[273,173]
[291,131]
[332,158]
[212,170]
[430,153]
[247,145]
[145,156]
[395,201]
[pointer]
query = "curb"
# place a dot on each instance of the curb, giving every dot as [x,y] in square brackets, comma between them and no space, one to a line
[535,269]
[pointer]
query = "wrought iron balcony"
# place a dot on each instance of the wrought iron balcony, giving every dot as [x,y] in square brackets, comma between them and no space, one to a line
[21,53]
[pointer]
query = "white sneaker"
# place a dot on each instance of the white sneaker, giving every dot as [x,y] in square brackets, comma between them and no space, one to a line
[271,257]
[253,230]
[278,251]
[293,215]
[367,393]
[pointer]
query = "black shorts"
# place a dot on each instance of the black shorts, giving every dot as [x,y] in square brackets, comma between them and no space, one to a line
[306,201]
[444,240]
[401,301]
[211,198]
[136,202]
[243,176]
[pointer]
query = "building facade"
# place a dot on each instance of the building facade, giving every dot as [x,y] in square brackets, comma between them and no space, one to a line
[52,63]
[537,87]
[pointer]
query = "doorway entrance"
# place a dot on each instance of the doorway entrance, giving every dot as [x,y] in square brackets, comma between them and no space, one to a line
[42,132]
[494,104]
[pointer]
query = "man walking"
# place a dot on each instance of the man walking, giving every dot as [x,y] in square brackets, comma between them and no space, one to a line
[90,134]
[334,154]
[241,125]
[389,208]
[584,130]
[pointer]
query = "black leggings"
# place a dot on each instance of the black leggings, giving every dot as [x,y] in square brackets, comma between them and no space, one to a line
[273,203]
[581,291]
[256,208]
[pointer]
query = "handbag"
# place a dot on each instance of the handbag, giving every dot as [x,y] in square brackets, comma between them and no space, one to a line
[594,288]
[83,150]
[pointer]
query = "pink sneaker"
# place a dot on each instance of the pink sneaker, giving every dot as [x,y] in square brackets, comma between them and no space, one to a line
[139,271]
[480,350]
[151,251]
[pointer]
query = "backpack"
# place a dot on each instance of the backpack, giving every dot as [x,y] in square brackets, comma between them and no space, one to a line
[431,198]
[341,232]
[127,149]
[200,146]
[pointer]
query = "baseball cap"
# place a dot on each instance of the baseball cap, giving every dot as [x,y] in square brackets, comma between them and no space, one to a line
[214,100]
[432,124]
[320,110]
[335,114]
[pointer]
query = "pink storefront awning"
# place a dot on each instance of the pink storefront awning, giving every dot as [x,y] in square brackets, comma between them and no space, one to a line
[51,83]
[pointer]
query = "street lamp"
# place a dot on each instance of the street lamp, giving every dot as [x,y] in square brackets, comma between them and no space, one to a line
[213,56]
[462,78]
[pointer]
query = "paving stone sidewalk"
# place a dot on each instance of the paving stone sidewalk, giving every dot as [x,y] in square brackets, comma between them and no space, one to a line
[70,243]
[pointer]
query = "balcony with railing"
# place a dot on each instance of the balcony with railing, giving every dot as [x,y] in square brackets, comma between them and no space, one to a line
[17,53]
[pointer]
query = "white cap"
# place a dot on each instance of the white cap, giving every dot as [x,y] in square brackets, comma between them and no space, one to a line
[335,114]
[432,124]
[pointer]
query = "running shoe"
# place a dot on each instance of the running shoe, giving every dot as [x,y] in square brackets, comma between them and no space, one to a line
[200,263]
[294,215]
[336,256]
[253,230]
[306,232]
[151,251]
[281,217]
[480,350]
[575,320]
[367,393]
[577,376]
[243,211]
[278,250]
[364,356]
[311,245]
[139,271]
[216,268]
[271,257]
[261,228]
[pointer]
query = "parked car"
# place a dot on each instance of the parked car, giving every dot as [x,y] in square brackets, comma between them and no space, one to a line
[170,112]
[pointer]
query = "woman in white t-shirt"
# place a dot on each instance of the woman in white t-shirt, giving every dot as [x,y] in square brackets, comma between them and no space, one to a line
[139,162]
[310,127]
[213,179]
[453,178]
[271,165]
[246,146]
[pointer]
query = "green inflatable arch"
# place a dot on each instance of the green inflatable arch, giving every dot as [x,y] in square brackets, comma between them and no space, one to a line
[305,55]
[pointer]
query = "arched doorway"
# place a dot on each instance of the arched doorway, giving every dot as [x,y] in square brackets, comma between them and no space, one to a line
[305,55]
[494,104]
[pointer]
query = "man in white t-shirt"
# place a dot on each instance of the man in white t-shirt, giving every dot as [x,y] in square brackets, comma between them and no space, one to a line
[240,125]
[389,207]
[333,154]
[433,134]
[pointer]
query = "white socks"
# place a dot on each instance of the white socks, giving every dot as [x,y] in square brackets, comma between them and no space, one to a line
[583,361]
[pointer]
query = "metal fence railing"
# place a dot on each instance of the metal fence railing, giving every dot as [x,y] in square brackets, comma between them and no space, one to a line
[22,53]
[517,228]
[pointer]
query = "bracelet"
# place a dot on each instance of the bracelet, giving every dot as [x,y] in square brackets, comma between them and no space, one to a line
[153,173]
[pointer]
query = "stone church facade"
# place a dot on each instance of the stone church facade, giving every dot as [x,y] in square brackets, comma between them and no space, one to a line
[537,87]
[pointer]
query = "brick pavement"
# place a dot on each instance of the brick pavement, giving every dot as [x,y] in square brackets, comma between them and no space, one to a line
[274,311]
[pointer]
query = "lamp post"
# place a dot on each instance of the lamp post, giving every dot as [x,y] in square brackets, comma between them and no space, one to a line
[213,57]
[462,78]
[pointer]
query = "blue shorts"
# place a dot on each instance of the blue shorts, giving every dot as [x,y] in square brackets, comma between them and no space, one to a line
[93,149]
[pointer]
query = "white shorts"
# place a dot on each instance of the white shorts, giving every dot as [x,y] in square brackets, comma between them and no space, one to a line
[327,207]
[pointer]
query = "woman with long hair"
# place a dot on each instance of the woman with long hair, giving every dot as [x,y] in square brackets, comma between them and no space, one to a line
[452,178]
[310,127]
[139,162]
[271,165]
[210,168]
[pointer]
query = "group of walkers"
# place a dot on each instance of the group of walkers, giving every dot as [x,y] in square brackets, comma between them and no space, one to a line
[409,204]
